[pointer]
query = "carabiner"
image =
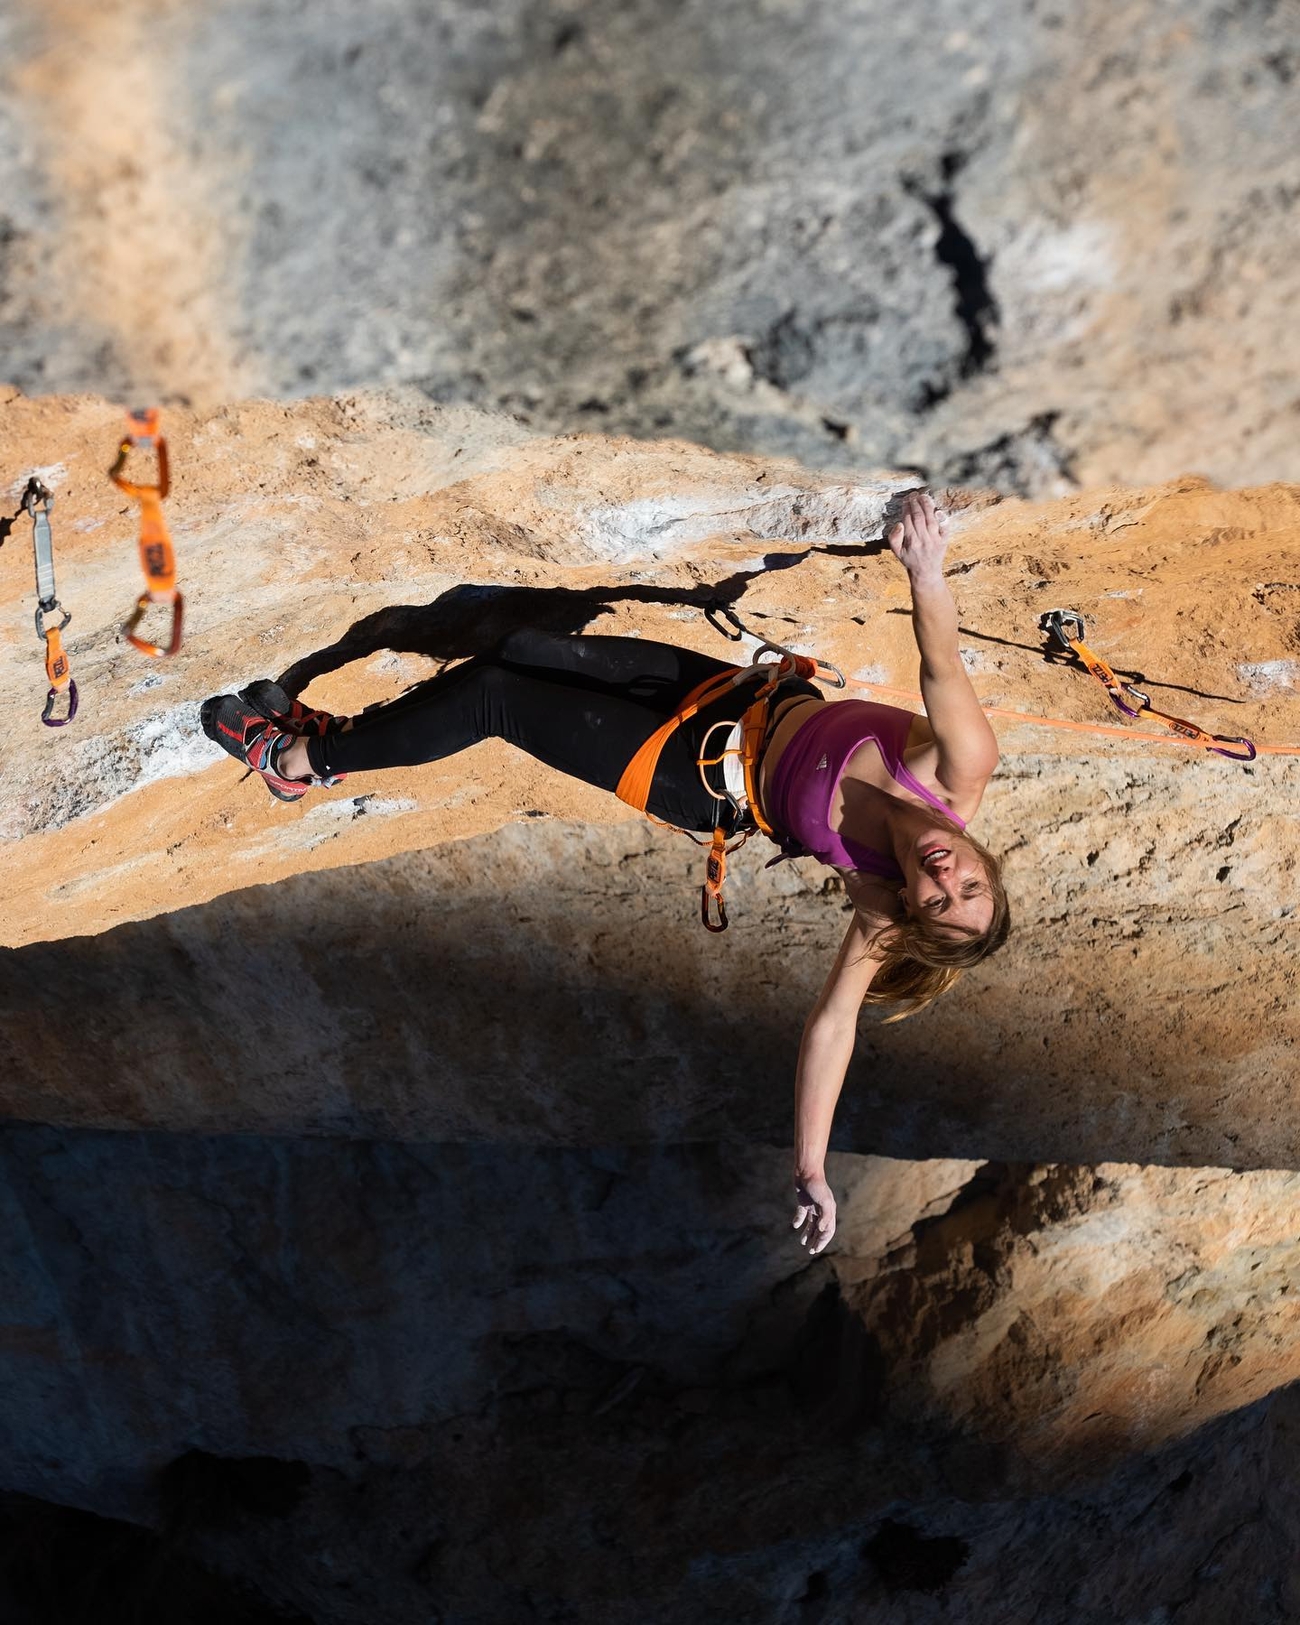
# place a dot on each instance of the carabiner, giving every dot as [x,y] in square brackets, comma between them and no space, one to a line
[57,669]
[157,558]
[1247,755]
[48,608]
[716,608]
[721,924]
[811,665]
[154,650]
[47,715]
[143,433]
[1116,689]
[822,670]
[715,872]
[1065,625]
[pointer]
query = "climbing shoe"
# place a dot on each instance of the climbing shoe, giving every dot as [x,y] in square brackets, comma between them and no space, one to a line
[244,732]
[267,697]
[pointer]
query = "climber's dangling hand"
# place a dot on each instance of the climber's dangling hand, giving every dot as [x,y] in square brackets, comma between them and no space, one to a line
[814,1214]
[919,538]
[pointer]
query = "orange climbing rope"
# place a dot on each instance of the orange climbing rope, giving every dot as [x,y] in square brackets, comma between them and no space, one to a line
[1181,731]
[887,691]
[157,558]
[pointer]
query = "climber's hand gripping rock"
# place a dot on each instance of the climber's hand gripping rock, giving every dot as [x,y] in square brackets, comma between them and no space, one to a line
[919,538]
[814,1214]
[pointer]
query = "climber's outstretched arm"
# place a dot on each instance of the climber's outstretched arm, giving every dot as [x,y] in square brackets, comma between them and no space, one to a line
[824,1055]
[967,747]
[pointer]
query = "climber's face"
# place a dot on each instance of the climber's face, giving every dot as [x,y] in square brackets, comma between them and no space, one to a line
[946,882]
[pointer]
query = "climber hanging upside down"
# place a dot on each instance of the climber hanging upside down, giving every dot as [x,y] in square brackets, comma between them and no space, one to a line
[878,793]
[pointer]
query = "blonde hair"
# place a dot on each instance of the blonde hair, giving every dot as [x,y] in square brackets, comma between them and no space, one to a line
[921,957]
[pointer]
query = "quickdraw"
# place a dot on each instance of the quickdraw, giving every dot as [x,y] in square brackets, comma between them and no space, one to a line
[745,815]
[1066,627]
[37,501]
[157,558]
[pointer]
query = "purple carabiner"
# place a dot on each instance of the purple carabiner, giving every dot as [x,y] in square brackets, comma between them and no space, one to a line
[1248,755]
[1127,709]
[52,721]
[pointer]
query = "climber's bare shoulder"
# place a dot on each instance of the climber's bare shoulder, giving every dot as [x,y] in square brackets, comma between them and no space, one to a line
[958,779]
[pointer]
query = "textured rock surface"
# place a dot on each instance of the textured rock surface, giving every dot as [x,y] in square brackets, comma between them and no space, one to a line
[1016,243]
[359,543]
[1074,1316]
[375,1381]
[792,1525]
[550,985]
[537,1374]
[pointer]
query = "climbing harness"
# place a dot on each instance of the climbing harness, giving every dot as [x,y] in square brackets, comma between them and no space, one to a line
[739,813]
[746,739]
[157,558]
[1066,628]
[744,817]
[37,501]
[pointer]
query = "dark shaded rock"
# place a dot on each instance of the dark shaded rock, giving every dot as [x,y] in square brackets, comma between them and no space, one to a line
[63,1566]
[910,1561]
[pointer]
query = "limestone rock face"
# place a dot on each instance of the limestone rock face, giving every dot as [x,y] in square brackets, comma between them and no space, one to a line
[355,546]
[448,1170]
[1080,1316]
[384,535]
[550,984]
[1029,245]
[394,1187]
[370,1380]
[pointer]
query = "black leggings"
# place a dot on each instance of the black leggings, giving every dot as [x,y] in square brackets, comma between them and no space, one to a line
[584,705]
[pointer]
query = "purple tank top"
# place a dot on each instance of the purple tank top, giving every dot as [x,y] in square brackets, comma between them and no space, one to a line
[811,766]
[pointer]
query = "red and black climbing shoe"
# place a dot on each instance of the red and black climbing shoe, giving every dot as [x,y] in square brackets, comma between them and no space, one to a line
[262,751]
[254,739]
[268,698]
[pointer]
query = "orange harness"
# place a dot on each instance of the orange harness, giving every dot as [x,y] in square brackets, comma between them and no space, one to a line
[634,786]
[157,558]
[1064,626]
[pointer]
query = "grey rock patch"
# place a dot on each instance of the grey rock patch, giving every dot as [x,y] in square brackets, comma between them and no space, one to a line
[654,527]
[697,221]
[104,768]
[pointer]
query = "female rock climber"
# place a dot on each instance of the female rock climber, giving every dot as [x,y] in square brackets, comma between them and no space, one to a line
[878,793]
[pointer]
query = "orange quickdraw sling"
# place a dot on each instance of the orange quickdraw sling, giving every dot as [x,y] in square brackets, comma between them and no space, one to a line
[747,817]
[1065,627]
[157,558]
